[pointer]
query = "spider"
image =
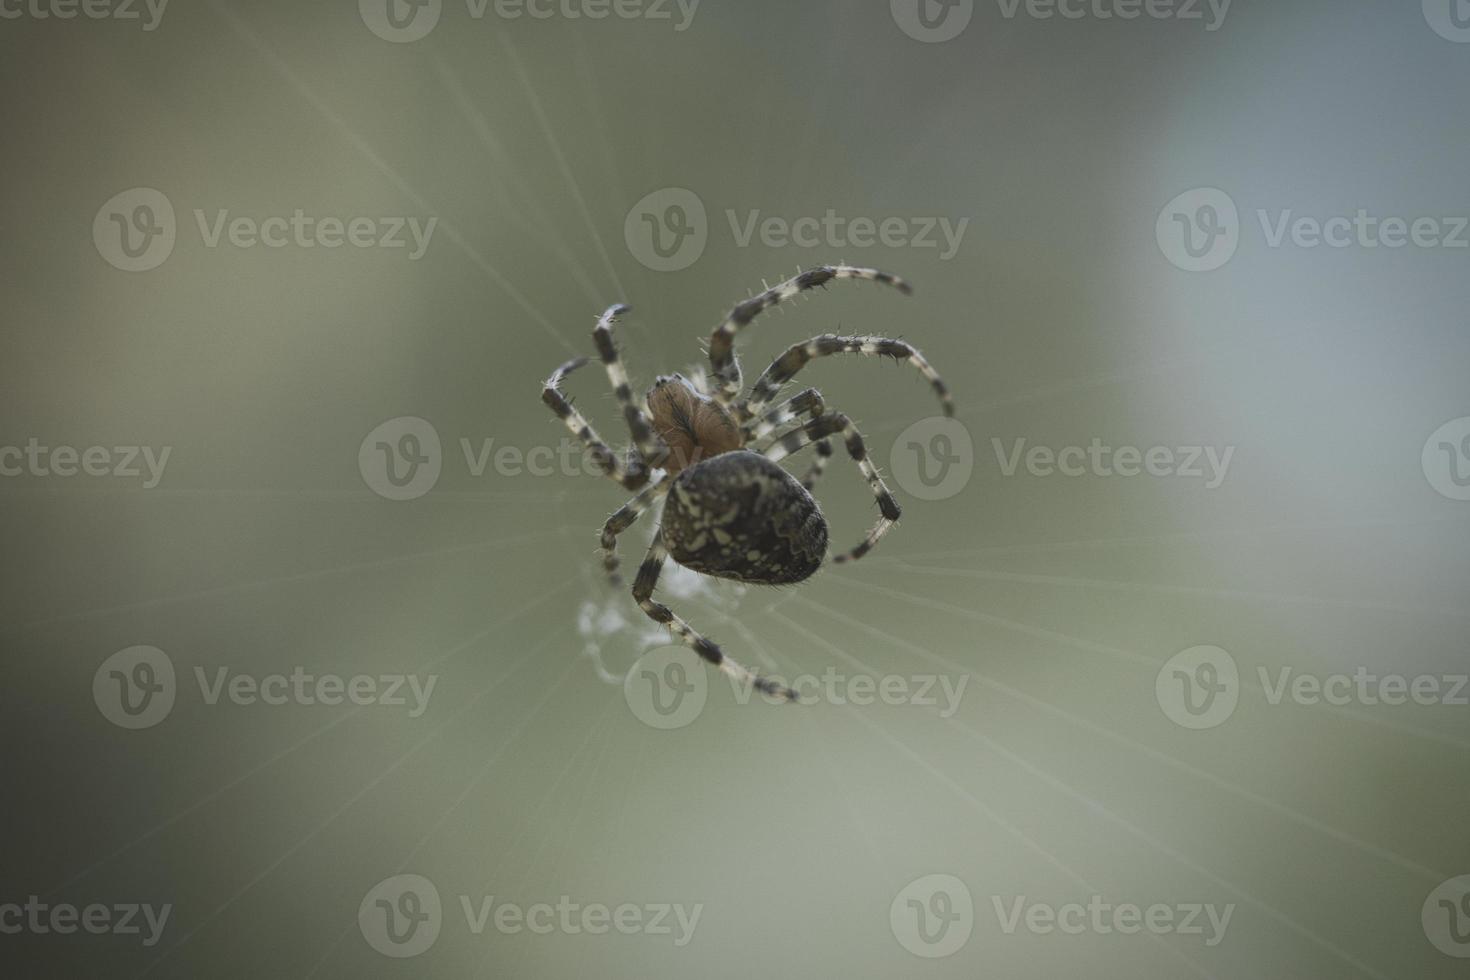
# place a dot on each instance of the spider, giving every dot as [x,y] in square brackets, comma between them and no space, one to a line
[731,511]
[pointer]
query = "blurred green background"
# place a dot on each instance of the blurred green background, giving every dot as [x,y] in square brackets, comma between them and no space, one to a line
[807,836]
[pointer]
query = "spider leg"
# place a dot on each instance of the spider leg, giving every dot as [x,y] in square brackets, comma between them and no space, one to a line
[649,446]
[643,587]
[723,363]
[816,431]
[806,403]
[612,465]
[785,367]
[814,472]
[623,518]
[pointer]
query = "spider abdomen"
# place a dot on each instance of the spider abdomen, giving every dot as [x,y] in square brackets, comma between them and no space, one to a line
[740,516]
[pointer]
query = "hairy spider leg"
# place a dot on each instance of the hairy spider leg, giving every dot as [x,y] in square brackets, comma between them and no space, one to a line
[725,366]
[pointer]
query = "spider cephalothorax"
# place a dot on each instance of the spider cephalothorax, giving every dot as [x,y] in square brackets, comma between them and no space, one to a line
[692,425]
[731,511]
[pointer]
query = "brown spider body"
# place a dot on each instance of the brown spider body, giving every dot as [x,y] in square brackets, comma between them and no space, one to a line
[730,510]
[693,426]
[731,513]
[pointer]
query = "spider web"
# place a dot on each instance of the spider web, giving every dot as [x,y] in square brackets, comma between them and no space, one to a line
[614,631]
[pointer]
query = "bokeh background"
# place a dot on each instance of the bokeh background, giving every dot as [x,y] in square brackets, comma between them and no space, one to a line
[808,836]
